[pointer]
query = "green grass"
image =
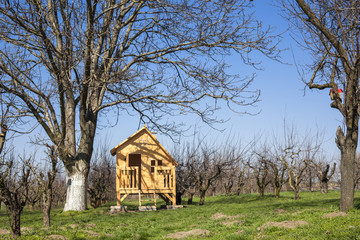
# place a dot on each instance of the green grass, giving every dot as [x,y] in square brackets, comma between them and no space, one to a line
[256,211]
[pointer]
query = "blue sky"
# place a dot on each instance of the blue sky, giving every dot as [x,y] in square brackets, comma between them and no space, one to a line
[282,96]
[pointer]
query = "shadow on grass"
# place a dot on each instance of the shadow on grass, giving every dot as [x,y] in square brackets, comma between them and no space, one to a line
[286,201]
[357,203]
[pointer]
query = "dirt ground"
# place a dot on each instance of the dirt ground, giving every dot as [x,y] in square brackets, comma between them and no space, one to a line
[228,220]
[4,231]
[280,210]
[334,214]
[57,237]
[284,224]
[194,232]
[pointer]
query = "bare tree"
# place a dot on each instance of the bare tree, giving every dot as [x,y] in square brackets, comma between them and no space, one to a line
[233,174]
[260,170]
[59,190]
[297,152]
[181,183]
[34,194]
[278,172]
[295,167]
[205,167]
[46,182]
[323,173]
[240,178]
[331,35]
[14,189]
[206,162]
[101,177]
[228,179]
[310,175]
[183,179]
[68,62]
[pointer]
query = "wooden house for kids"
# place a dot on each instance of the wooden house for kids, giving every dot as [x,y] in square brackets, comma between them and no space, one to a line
[143,167]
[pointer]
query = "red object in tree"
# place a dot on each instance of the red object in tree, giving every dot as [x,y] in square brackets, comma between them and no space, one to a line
[339,90]
[331,93]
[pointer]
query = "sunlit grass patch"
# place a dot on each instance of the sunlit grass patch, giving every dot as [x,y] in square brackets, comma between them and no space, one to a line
[249,214]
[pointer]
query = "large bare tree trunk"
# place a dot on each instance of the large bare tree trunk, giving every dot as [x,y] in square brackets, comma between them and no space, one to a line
[76,187]
[347,176]
[202,197]
[15,222]
[47,199]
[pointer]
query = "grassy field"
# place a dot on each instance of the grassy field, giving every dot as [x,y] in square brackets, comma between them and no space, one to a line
[236,217]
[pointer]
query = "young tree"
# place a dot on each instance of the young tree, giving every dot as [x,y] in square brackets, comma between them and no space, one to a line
[14,189]
[205,167]
[101,179]
[59,190]
[34,194]
[240,179]
[323,173]
[46,182]
[183,179]
[276,169]
[278,172]
[206,162]
[295,167]
[71,61]
[331,34]
[228,179]
[233,174]
[260,170]
[297,152]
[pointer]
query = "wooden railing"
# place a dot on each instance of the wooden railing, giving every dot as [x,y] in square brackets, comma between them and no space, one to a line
[129,177]
[164,177]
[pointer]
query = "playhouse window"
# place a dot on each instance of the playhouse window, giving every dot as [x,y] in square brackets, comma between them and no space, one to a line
[153,162]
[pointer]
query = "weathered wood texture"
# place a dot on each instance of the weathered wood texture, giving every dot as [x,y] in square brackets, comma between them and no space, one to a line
[143,166]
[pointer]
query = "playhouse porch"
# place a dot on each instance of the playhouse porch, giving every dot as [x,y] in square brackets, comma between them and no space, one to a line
[160,182]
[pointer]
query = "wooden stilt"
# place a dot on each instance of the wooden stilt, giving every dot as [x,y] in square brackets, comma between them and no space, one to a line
[155,198]
[139,199]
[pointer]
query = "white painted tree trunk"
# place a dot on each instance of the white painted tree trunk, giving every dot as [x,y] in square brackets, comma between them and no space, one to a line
[76,186]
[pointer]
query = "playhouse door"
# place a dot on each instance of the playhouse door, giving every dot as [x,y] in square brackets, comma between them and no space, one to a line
[135,161]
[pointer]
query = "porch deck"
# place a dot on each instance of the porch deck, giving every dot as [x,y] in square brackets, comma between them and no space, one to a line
[160,182]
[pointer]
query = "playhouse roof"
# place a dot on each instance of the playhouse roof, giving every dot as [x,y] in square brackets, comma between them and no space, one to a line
[143,130]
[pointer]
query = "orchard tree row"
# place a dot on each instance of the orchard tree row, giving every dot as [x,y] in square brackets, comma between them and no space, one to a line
[291,162]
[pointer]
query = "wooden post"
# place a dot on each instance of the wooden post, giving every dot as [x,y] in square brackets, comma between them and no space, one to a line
[155,177]
[139,199]
[118,185]
[155,198]
[173,186]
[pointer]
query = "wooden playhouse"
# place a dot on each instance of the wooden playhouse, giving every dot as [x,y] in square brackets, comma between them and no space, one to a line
[143,167]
